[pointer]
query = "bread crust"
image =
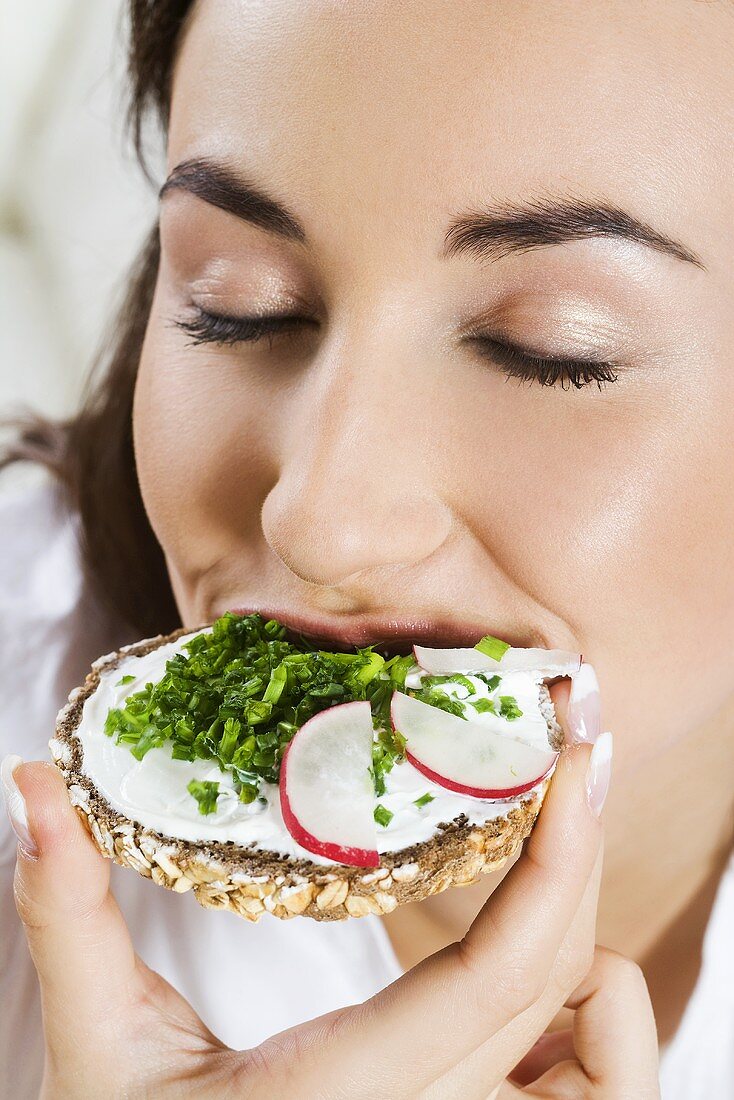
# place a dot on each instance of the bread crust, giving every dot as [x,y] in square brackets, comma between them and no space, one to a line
[250,882]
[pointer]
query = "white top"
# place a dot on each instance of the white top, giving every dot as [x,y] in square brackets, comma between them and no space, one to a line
[52,630]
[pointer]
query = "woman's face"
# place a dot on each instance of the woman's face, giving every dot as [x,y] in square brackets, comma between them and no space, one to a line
[476,194]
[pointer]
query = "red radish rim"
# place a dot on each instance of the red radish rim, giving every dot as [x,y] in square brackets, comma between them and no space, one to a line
[356,857]
[502,794]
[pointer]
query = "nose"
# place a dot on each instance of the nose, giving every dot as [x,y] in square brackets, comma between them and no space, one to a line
[355,489]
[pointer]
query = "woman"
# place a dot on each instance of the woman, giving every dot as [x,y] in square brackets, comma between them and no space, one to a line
[380,225]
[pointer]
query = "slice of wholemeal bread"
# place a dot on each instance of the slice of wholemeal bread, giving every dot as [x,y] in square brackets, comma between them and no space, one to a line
[251,881]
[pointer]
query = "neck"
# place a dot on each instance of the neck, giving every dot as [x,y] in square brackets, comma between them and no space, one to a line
[669,829]
[669,825]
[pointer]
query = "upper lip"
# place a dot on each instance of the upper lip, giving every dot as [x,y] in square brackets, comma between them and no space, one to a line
[393,634]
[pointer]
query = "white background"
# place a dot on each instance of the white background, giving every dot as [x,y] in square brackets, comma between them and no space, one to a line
[74,206]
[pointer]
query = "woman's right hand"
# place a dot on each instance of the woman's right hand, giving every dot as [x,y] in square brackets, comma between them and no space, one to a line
[457,1025]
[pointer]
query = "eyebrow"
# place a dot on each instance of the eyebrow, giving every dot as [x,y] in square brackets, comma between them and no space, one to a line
[486,234]
[217,185]
[496,232]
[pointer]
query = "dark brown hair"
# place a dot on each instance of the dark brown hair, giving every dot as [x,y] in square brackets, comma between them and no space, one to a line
[91,453]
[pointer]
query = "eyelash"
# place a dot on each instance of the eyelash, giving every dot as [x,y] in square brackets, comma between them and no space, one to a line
[213,328]
[526,367]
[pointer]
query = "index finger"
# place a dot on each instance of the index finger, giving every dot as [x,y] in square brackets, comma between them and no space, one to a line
[454,1001]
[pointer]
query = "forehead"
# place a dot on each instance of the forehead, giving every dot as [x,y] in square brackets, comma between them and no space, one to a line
[394,109]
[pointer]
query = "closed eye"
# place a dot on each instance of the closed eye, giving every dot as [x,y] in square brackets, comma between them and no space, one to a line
[214,328]
[515,362]
[518,363]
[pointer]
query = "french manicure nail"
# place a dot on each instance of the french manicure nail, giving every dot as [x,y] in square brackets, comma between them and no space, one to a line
[599,772]
[584,707]
[15,804]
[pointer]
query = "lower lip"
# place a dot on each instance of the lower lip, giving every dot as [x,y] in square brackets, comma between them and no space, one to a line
[358,636]
[400,638]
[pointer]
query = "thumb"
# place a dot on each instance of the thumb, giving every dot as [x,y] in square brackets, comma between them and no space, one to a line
[76,933]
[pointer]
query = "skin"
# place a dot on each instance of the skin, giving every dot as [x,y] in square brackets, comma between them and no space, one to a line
[373,468]
[391,473]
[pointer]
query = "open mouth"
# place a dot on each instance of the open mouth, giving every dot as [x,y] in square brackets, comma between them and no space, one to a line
[387,648]
[389,637]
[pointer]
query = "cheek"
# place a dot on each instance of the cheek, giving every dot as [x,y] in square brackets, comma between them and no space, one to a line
[616,514]
[202,451]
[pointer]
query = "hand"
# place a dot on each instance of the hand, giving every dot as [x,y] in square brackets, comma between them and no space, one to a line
[455,1026]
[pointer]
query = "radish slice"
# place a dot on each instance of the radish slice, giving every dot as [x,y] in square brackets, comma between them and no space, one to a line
[547,662]
[466,756]
[326,793]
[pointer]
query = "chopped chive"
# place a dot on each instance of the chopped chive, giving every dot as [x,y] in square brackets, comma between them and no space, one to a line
[378,777]
[397,669]
[182,752]
[452,678]
[151,738]
[247,793]
[509,708]
[228,744]
[492,647]
[125,680]
[437,698]
[278,680]
[482,705]
[184,732]
[423,800]
[238,692]
[328,691]
[373,664]
[382,815]
[112,722]
[206,794]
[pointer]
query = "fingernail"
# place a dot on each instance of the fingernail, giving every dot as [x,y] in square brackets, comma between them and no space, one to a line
[584,707]
[15,804]
[599,772]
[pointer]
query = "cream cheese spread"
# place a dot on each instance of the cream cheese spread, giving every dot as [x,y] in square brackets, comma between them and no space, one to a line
[153,791]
